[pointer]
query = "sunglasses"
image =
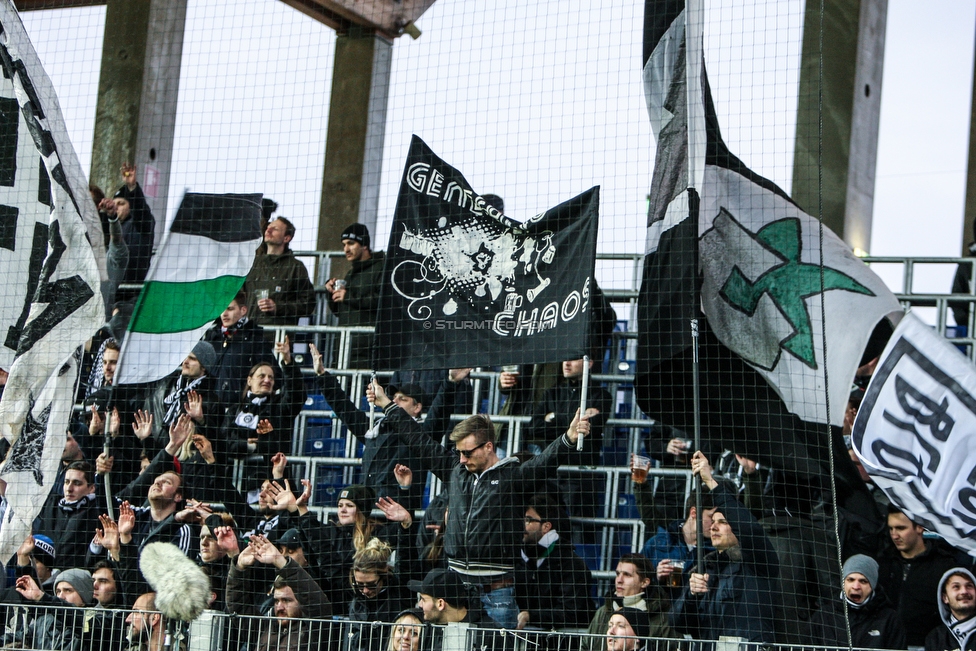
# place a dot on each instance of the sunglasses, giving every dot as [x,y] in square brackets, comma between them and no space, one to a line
[468,453]
[371,585]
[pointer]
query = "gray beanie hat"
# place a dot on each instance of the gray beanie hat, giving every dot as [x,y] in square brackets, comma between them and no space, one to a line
[205,354]
[862,564]
[80,580]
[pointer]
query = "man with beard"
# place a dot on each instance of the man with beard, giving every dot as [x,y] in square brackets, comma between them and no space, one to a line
[137,527]
[552,585]
[296,597]
[355,300]
[145,625]
[957,605]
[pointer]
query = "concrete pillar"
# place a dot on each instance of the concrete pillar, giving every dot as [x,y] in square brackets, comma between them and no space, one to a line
[138,88]
[850,82]
[969,216]
[354,143]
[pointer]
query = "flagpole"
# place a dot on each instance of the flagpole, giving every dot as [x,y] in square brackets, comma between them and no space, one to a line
[372,412]
[583,391]
[106,449]
[696,398]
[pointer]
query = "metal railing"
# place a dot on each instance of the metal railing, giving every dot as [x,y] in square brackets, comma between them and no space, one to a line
[52,628]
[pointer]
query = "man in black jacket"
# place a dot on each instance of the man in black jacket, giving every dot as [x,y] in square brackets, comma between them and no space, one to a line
[356,298]
[238,345]
[385,445]
[552,584]
[874,621]
[70,519]
[957,606]
[485,519]
[910,574]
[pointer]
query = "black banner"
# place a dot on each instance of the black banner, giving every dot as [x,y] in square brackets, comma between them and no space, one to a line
[466,286]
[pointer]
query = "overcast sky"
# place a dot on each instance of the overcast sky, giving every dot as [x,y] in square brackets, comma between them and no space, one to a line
[538,102]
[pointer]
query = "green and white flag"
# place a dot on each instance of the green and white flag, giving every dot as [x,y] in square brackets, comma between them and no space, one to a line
[197,271]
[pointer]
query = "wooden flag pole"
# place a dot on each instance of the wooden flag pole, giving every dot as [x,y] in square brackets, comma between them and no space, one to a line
[584,388]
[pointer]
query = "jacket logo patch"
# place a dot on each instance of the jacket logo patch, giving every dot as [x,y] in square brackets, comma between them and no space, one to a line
[494,482]
[875,632]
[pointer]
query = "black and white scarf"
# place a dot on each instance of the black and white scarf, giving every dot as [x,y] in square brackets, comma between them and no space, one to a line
[174,401]
[71,507]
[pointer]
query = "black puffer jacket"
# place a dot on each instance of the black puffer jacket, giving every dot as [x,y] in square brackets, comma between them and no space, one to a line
[740,596]
[484,527]
[362,300]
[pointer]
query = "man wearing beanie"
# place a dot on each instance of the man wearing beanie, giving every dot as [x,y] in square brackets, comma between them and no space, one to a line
[178,393]
[874,621]
[356,299]
[628,630]
[53,629]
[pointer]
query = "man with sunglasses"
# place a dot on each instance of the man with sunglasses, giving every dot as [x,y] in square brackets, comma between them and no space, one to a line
[485,525]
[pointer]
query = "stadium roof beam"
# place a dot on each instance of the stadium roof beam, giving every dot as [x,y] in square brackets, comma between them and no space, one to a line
[834,166]
[389,18]
[34,5]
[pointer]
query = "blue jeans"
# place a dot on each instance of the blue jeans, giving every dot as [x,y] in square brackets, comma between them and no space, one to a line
[500,606]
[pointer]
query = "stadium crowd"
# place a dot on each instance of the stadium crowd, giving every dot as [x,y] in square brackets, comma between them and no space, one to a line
[496,548]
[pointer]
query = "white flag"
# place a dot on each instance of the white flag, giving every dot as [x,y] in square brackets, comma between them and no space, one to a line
[50,302]
[915,431]
[33,461]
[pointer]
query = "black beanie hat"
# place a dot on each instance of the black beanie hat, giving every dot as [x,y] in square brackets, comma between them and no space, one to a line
[363,497]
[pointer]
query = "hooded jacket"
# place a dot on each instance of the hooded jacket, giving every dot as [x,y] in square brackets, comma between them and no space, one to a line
[948,635]
[741,582]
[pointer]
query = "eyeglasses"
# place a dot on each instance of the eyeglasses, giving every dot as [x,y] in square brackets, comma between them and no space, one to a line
[468,453]
[529,520]
[371,585]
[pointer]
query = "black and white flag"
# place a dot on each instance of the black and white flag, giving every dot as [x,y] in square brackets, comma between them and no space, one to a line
[33,461]
[50,302]
[466,286]
[916,428]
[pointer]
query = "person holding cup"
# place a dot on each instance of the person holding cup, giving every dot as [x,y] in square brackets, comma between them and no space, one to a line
[278,288]
[355,298]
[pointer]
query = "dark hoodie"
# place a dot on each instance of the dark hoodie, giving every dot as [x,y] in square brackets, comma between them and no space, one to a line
[951,634]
